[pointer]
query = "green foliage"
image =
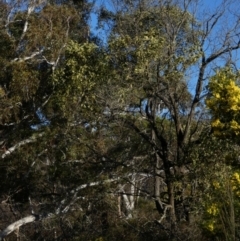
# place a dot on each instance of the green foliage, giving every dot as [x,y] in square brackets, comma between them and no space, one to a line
[77,81]
[84,128]
[147,62]
[50,29]
[221,204]
[25,81]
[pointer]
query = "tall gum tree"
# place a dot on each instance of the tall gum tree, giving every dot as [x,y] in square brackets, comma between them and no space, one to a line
[163,53]
[78,122]
[47,85]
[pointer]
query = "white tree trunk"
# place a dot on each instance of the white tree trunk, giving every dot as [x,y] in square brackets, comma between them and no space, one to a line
[129,200]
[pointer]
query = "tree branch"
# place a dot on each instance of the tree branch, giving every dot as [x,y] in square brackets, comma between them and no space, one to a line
[21,143]
[28,57]
[12,227]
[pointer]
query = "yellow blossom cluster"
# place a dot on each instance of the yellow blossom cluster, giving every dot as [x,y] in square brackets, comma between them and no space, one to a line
[210,226]
[213,209]
[216,185]
[235,182]
[224,103]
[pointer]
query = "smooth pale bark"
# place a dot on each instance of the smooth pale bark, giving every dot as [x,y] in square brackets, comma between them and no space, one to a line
[21,143]
[28,57]
[129,199]
[129,203]
[14,226]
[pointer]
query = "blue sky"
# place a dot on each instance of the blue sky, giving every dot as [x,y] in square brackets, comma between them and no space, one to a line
[208,6]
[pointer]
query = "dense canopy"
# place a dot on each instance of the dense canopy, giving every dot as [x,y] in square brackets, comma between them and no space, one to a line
[129,134]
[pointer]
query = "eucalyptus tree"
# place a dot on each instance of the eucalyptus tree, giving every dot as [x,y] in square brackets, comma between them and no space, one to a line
[48,78]
[163,53]
[78,121]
